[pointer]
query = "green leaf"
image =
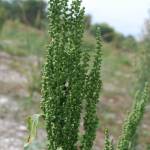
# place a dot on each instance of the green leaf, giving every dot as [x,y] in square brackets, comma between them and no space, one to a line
[32,125]
[26,146]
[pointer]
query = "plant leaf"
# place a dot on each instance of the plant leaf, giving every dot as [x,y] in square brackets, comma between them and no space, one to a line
[32,125]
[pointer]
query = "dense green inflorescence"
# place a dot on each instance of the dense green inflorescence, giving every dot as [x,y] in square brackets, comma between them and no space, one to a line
[108,142]
[67,81]
[133,120]
[93,86]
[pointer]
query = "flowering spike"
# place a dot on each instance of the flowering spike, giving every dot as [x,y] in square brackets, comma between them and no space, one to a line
[133,120]
[65,78]
[93,86]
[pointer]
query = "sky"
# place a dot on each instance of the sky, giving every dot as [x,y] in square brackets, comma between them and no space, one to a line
[126,16]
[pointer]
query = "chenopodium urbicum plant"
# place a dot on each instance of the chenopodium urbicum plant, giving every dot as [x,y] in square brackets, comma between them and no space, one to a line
[68,82]
[131,123]
[108,142]
[133,120]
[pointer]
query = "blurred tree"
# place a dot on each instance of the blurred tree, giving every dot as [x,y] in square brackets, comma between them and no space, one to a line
[129,43]
[2,16]
[118,40]
[33,12]
[88,21]
[15,10]
[9,7]
[108,33]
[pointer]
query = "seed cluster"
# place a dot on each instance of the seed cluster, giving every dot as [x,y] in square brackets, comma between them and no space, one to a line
[108,142]
[133,120]
[68,82]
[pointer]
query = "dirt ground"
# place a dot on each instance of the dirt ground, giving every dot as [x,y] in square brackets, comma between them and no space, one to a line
[12,129]
[15,106]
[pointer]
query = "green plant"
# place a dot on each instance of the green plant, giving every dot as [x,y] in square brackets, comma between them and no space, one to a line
[71,84]
[33,123]
[129,43]
[131,124]
[133,120]
[108,143]
[67,82]
[108,32]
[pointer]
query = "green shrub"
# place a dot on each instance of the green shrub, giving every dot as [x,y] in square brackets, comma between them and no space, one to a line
[129,43]
[88,22]
[118,40]
[31,12]
[108,33]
